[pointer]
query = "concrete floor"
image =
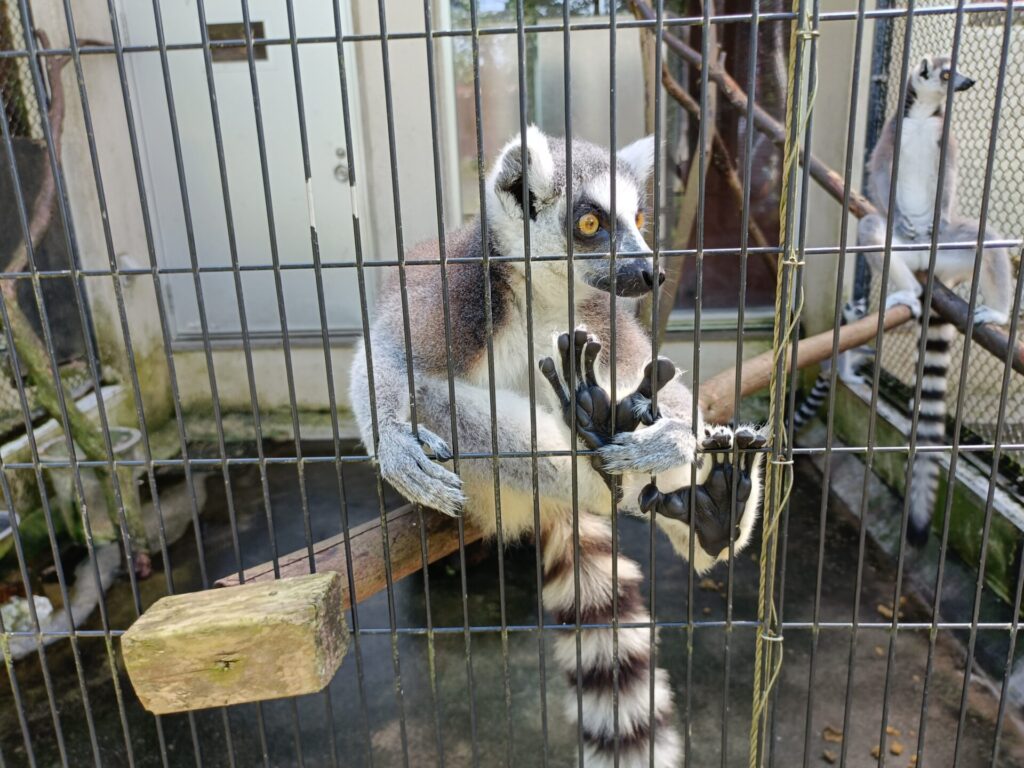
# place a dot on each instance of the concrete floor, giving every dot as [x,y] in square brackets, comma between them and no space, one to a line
[498,719]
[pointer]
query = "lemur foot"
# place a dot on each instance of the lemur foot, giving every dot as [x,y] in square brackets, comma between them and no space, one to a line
[594,425]
[715,520]
[404,464]
[985,314]
[906,299]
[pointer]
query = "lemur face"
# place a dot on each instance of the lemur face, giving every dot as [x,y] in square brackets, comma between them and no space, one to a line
[930,79]
[587,218]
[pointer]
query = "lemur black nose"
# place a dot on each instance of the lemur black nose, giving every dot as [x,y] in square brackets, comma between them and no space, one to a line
[649,277]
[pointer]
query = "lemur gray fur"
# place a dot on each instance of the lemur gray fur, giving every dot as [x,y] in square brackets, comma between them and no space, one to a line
[640,444]
[849,366]
[913,211]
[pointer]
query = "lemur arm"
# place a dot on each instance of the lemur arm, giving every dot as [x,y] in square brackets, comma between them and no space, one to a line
[398,451]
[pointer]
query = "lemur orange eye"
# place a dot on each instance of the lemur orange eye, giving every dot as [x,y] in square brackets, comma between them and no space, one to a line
[588,224]
[945,76]
[640,220]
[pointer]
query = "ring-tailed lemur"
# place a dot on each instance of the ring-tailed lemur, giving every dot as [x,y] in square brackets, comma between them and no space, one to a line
[849,364]
[913,212]
[640,443]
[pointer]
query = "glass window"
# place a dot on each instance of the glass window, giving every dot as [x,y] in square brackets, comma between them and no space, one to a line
[590,78]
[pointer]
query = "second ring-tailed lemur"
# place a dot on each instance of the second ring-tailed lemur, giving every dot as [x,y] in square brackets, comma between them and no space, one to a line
[639,443]
[913,212]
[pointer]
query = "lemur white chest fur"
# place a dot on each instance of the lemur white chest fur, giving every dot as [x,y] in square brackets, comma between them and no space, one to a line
[919,170]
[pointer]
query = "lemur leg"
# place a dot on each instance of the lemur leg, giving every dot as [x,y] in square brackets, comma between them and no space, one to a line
[905,288]
[473,422]
[637,723]
[718,518]
[995,284]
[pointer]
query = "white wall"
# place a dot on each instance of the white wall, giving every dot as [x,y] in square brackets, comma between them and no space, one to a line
[409,79]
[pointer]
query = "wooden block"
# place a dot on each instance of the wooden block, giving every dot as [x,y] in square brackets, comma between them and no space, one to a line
[239,644]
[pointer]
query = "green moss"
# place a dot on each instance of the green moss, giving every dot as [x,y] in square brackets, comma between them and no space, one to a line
[968,509]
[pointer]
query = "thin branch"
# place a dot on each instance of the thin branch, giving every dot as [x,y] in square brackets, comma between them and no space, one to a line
[721,158]
[833,183]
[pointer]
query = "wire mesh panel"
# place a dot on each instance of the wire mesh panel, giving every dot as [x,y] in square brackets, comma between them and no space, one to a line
[278,367]
[971,126]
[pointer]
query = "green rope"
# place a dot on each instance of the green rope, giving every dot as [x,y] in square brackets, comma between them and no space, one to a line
[778,474]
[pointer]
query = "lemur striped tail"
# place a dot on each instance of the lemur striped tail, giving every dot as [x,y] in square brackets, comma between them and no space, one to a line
[931,428]
[811,404]
[637,723]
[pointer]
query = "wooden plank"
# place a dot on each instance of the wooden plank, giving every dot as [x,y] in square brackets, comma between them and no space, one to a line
[230,646]
[716,394]
[404,547]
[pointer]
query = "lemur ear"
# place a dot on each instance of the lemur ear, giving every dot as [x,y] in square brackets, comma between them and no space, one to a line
[924,68]
[507,174]
[639,156]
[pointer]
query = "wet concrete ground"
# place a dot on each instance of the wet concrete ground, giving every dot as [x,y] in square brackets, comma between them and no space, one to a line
[466,702]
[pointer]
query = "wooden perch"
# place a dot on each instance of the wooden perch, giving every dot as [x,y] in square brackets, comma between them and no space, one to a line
[404,532]
[954,309]
[716,394]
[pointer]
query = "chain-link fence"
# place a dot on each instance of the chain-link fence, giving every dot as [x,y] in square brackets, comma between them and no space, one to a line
[24,116]
[15,79]
[971,126]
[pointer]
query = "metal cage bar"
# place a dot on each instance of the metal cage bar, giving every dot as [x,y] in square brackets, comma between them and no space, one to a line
[417,625]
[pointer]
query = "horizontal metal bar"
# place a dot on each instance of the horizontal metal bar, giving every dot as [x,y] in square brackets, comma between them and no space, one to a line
[356,459]
[915,626]
[824,250]
[582,26]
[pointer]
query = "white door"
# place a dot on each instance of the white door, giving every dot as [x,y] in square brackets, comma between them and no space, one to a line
[328,193]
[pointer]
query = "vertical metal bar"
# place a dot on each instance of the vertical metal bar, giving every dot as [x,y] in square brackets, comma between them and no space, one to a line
[871,437]
[282,314]
[782,318]
[339,467]
[613,360]
[698,306]
[986,198]
[91,358]
[19,704]
[573,352]
[129,352]
[833,373]
[748,159]
[400,247]
[798,299]
[435,130]
[26,411]
[531,379]
[1019,593]
[491,378]
[919,379]
[166,345]
[659,30]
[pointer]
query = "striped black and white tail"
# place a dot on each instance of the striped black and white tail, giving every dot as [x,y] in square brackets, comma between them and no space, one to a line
[931,427]
[850,363]
[812,403]
[637,724]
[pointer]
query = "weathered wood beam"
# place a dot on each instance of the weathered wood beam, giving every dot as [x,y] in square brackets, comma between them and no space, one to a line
[406,527]
[716,393]
[231,646]
[991,337]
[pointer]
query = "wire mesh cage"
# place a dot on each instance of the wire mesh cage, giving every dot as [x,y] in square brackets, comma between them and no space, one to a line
[981,34]
[241,181]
